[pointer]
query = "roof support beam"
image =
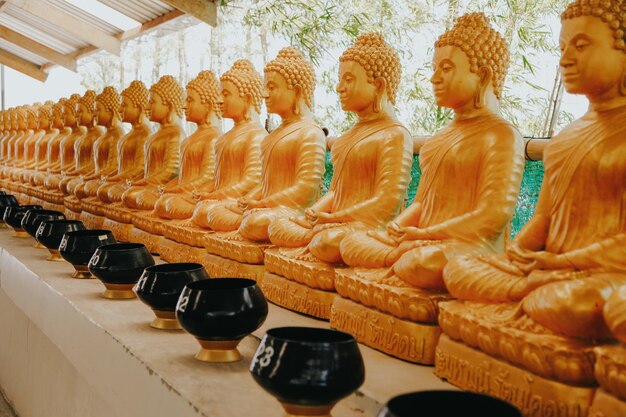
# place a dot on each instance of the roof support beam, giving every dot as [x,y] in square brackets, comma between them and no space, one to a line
[124,36]
[21,65]
[205,10]
[69,23]
[43,51]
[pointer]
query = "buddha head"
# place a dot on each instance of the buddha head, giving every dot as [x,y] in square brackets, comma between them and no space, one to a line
[69,110]
[369,75]
[166,100]
[21,122]
[201,105]
[107,107]
[470,64]
[45,115]
[57,113]
[593,48]
[242,92]
[32,116]
[85,110]
[8,119]
[289,84]
[134,102]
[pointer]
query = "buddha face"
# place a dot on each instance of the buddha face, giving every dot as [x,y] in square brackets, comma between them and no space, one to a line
[21,121]
[103,115]
[233,105]
[128,110]
[69,119]
[57,119]
[589,63]
[33,120]
[454,85]
[84,115]
[279,98]
[355,92]
[158,110]
[43,121]
[195,110]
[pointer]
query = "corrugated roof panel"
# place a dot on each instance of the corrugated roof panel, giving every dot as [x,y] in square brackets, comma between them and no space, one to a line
[22,53]
[35,34]
[45,26]
[140,10]
[84,16]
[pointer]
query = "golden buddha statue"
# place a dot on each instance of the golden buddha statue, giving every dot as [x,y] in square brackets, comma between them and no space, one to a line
[20,151]
[471,173]
[66,161]
[308,244]
[539,305]
[197,160]
[237,162]
[291,173]
[48,154]
[84,147]
[161,156]
[38,117]
[19,125]
[49,120]
[131,148]
[9,131]
[7,145]
[105,148]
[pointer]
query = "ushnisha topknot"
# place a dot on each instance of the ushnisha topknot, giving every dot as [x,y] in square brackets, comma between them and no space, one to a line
[137,93]
[71,104]
[207,86]
[58,106]
[611,12]
[110,99]
[378,59]
[483,46]
[45,108]
[296,69]
[170,92]
[32,110]
[88,99]
[247,80]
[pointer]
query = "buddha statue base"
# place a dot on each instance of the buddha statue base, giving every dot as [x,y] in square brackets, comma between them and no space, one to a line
[297,297]
[219,267]
[120,230]
[192,236]
[53,197]
[148,222]
[607,405]
[72,203]
[93,206]
[171,251]
[50,206]
[118,212]
[151,241]
[473,370]
[407,340]
[297,264]
[233,246]
[502,331]
[610,372]
[92,221]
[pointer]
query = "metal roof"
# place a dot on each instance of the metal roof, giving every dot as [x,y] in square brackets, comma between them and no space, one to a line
[38,34]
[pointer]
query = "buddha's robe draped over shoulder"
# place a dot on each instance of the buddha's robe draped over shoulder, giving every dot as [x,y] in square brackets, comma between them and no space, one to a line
[471,172]
[581,213]
[130,163]
[197,166]
[162,162]
[236,170]
[372,169]
[292,159]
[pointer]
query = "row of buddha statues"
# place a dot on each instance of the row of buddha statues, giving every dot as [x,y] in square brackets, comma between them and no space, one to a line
[249,203]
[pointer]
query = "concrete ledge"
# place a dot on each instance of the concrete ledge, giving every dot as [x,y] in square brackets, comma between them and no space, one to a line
[65,351]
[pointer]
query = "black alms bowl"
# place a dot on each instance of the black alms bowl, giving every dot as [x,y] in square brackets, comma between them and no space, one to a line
[13,217]
[50,233]
[7,200]
[33,218]
[447,403]
[305,367]
[119,267]
[160,287]
[219,313]
[79,246]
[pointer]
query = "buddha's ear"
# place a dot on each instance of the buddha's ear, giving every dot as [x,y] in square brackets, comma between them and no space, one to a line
[381,85]
[248,99]
[622,81]
[485,73]
[299,96]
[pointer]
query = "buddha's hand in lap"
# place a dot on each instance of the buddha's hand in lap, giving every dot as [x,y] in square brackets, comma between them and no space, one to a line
[503,263]
[315,217]
[247,204]
[382,236]
[401,233]
[302,221]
